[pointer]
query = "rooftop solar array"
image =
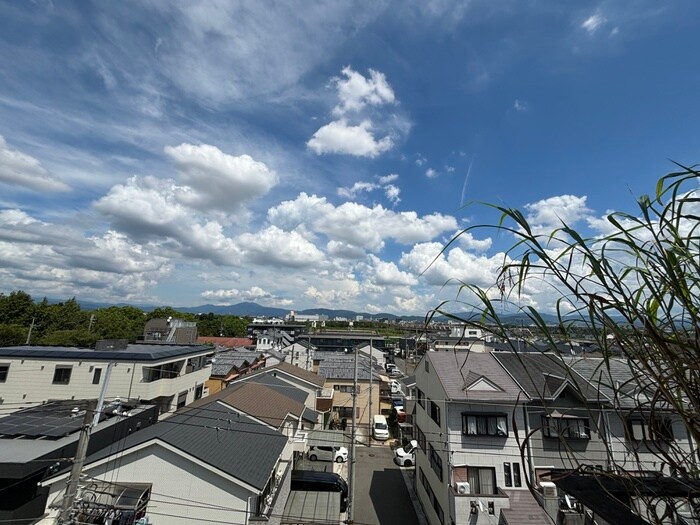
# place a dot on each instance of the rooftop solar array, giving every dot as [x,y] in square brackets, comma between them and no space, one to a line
[52,420]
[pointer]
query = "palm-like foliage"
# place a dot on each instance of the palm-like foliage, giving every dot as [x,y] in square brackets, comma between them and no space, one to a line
[635,289]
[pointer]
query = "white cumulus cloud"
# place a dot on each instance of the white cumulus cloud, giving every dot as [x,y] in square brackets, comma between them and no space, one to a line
[431,173]
[548,214]
[218,180]
[356,91]
[276,247]
[358,225]
[341,137]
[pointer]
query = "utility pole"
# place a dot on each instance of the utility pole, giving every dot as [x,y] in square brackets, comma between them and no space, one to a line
[94,409]
[80,453]
[369,437]
[31,327]
[351,502]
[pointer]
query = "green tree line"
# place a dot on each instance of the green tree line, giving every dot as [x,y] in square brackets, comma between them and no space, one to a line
[66,324]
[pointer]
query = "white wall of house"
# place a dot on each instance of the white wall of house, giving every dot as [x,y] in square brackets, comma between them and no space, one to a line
[173,476]
[32,380]
[300,355]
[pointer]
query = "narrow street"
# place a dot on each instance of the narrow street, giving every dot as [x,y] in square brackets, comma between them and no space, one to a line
[381,495]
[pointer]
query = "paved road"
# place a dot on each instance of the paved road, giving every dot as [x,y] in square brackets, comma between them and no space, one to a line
[381,496]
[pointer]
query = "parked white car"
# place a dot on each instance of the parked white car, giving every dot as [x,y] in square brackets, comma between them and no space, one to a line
[322,453]
[406,456]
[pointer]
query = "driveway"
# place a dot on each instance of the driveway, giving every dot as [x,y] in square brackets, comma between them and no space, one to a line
[381,496]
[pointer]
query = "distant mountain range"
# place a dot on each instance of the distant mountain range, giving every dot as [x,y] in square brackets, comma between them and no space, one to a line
[257,310]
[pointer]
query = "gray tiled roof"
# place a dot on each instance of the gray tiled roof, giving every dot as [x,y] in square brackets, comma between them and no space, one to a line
[241,447]
[452,368]
[541,376]
[223,362]
[610,375]
[339,370]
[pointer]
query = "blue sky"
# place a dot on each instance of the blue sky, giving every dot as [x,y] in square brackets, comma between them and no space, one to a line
[303,155]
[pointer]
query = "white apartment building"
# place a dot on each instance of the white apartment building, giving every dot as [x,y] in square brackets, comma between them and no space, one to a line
[169,376]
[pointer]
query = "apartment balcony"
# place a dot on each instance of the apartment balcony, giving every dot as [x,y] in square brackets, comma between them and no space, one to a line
[168,386]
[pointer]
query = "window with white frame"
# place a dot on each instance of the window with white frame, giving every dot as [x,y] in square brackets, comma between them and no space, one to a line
[566,427]
[484,424]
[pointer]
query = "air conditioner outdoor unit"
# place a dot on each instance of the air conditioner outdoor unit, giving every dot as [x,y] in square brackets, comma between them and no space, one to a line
[462,487]
[549,489]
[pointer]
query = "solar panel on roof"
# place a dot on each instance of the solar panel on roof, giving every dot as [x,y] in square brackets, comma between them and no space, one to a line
[60,431]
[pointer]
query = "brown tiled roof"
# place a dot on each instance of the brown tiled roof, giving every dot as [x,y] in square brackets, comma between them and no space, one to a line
[311,377]
[261,402]
[228,342]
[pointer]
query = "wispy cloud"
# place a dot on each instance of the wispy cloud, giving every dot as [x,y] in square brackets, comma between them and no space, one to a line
[431,173]
[520,105]
[19,169]
[593,22]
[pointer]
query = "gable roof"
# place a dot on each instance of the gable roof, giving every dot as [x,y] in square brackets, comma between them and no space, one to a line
[454,369]
[258,401]
[282,387]
[546,375]
[316,379]
[216,435]
[223,362]
[615,377]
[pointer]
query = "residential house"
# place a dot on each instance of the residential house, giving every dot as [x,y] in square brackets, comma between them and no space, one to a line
[270,401]
[227,366]
[318,398]
[170,330]
[373,391]
[205,464]
[470,469]
[40,440]
[300,353]
[372,352]
[167,375]
[583,412]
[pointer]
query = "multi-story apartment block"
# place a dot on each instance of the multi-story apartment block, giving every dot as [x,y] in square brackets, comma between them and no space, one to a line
[169,376]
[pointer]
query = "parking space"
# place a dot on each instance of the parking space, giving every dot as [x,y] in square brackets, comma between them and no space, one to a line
[381,494]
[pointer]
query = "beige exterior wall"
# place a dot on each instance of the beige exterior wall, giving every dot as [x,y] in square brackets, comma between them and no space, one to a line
[31,381]
[344,399]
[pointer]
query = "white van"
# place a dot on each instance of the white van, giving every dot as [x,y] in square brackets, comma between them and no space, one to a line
[380,428]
